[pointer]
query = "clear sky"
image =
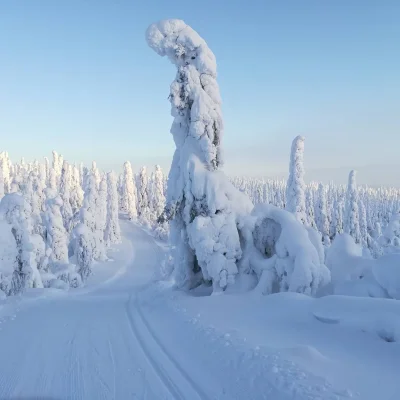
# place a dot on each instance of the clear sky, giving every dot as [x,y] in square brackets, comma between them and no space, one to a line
[77,76]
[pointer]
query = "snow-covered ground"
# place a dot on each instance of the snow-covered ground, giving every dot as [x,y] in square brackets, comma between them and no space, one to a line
[123,336]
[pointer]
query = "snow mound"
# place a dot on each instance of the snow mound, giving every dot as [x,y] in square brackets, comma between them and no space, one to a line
[280,252]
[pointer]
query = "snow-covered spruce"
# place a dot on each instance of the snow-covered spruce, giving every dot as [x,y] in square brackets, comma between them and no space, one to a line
[128,189]
[143,198]
[321,215]
[295,189]
[203,206]
[112,233]
[65,195]
[56,234]
[351,221]
[15,210]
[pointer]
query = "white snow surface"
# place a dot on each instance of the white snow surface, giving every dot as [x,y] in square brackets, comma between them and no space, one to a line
[124,336]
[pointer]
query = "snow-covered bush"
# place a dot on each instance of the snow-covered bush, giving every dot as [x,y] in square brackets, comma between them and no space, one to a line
[202,205]
[279,251]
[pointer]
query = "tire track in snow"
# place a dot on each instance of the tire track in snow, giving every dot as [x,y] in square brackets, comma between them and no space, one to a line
[174,378]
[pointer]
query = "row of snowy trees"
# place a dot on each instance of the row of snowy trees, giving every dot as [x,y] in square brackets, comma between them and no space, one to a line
[367,214]
[57,219]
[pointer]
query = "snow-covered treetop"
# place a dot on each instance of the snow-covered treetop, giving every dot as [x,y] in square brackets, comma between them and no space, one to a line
[179,42]
[194,96]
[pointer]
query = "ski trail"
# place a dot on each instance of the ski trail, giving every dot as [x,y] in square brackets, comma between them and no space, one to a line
[178,383]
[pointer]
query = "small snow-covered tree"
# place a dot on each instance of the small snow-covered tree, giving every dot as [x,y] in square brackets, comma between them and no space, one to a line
[101,206]
[96,173]
[2,185]
[143,197]
[310,209]
[15,210]
[52,179]
[92,220]
[202,205]
[128,200]
[76,197]
[321,215]
[295,196]
[56,234]
[112,233]
[351,221]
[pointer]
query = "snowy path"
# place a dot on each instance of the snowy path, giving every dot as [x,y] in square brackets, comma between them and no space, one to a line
[91,345]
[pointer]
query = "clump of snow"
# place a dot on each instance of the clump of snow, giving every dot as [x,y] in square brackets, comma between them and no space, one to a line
[279,251]
[386,271]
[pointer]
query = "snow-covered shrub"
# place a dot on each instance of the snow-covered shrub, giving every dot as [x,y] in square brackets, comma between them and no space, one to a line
[202,205]
[279,251]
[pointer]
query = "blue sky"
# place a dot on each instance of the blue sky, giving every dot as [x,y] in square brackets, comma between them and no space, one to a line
[77,76]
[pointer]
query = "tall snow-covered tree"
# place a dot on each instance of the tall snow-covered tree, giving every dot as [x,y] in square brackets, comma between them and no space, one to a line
[351,221]
[128,200]
[202,204]
[295,196]
[112,233]
[65,194]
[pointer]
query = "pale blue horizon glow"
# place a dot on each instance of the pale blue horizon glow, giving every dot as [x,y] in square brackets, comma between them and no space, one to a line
[78,77]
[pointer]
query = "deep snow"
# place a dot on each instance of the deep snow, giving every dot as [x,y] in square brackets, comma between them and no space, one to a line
[125,337]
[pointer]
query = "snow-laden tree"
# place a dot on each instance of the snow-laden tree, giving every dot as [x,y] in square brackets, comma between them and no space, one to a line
[203,206]
[363,224]
[90,217]
[321,215]
[47,170]
[112,233]
[65,194]
[351,220]
[96,173]
[295,189]
[5,167]
[128,198]
[310,209]
[2,185]
[143,203]
[52,179]
[101,205]
[15,210]
[56,234]
[56,165]
[76,197]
